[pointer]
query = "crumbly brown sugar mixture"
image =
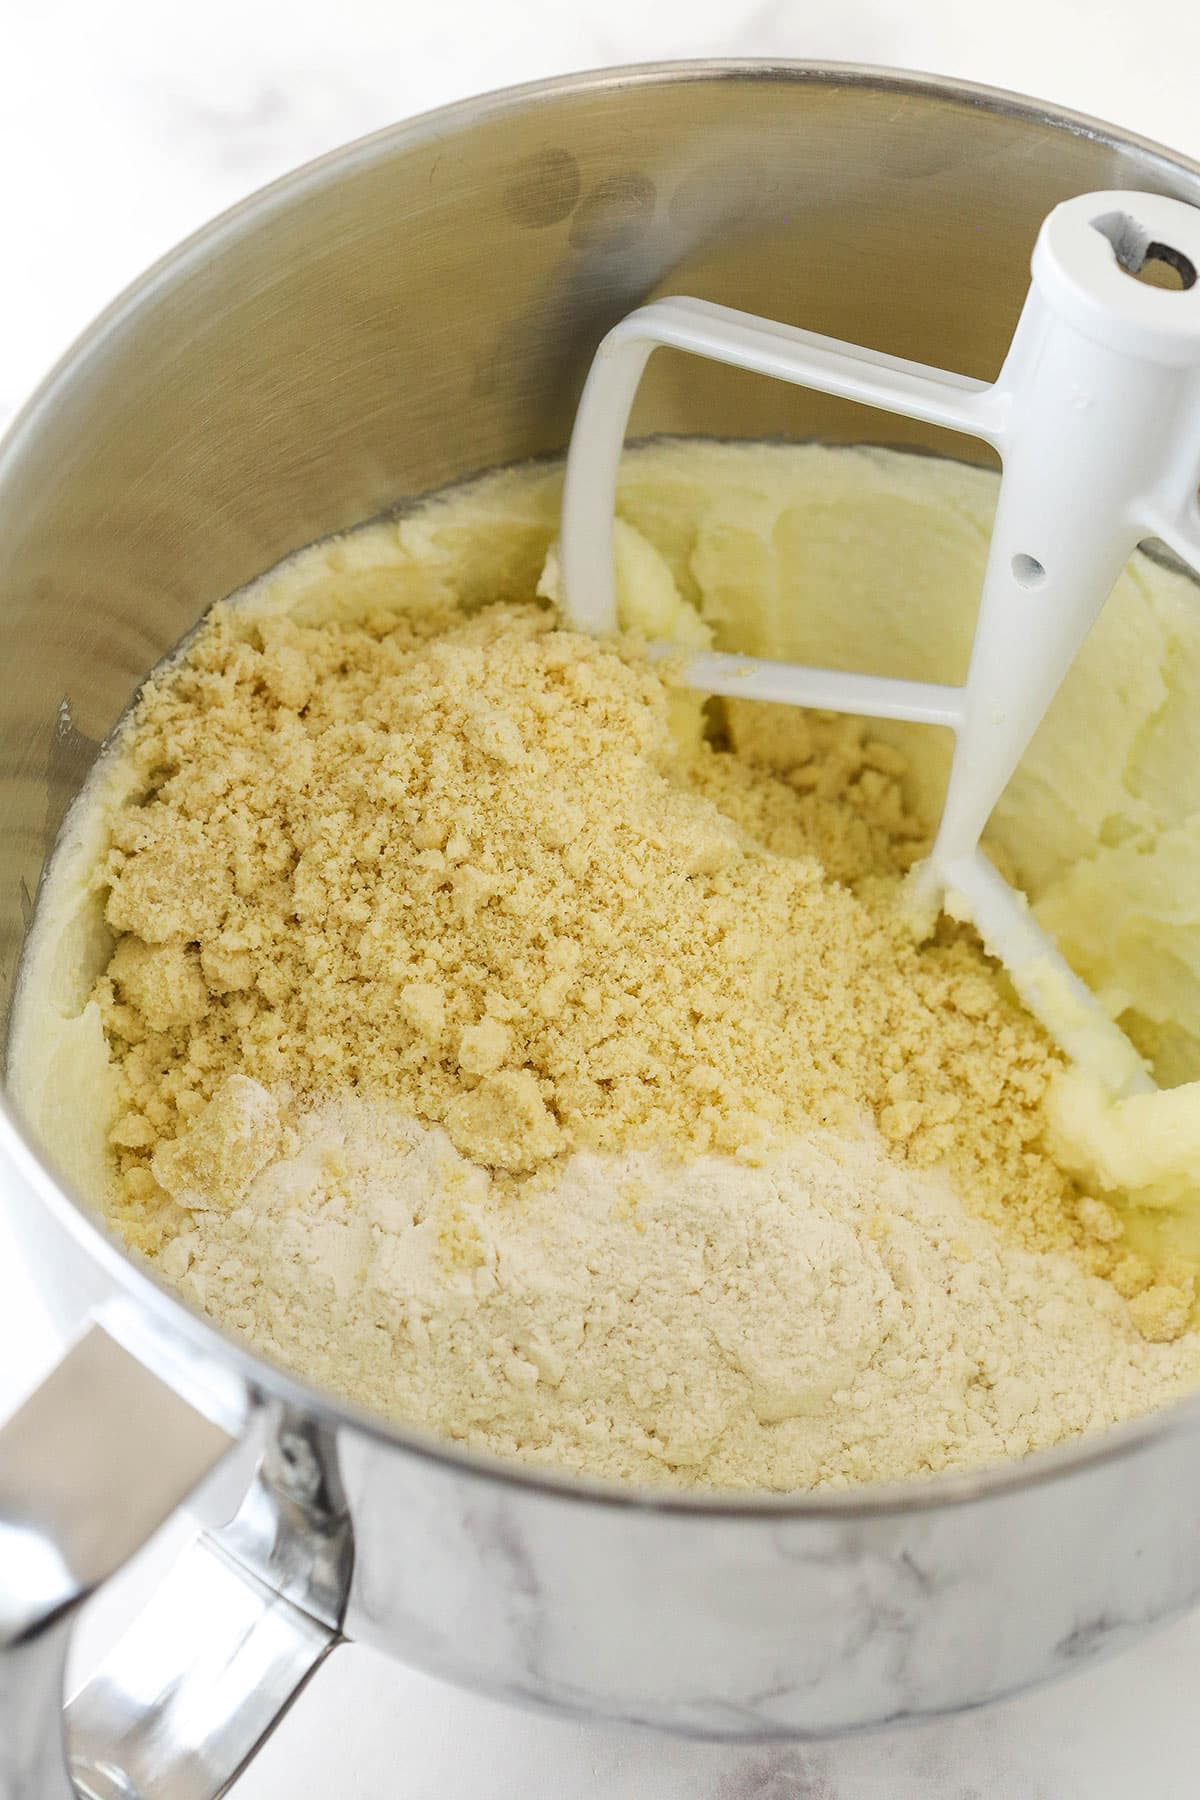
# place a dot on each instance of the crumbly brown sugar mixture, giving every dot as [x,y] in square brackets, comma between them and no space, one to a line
[501,1039]
[463,863]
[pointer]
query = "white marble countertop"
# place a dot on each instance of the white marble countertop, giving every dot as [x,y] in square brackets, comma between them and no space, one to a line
[125,126]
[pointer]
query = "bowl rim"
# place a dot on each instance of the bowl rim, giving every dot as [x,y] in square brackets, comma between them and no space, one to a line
[170,1317]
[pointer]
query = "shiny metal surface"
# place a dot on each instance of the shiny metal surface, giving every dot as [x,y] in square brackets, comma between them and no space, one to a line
[32,1752]
[100,1456]
[242,1621]
[192,1689]
[293,1529]
[397,316]
[90,1467]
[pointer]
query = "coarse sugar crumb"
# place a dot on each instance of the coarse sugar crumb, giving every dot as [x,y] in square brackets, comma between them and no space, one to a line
[464,863]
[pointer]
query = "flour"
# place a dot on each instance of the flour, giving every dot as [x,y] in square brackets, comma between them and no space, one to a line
[827,1318]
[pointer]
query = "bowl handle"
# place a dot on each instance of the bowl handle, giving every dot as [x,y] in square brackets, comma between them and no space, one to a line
[93,1463]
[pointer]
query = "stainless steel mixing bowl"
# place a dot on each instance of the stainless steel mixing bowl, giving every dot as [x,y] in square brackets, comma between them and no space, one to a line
[418,306]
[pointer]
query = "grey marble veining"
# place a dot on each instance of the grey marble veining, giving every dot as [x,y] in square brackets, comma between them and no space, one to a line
[741,1626]
[1121,1731]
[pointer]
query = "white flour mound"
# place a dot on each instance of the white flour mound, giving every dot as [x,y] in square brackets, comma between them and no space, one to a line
[828,1318]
